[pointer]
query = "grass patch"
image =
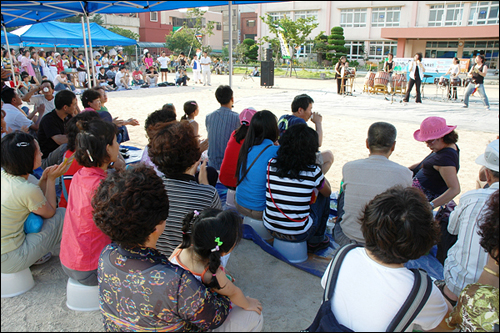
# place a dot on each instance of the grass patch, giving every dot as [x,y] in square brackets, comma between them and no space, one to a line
[301,73]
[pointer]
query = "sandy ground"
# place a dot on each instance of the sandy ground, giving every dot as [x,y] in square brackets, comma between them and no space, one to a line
[290,297]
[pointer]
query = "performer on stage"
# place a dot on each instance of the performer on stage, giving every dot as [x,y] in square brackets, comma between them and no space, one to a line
[453,71]
[389,64]
[416,71]
[477,72]
[338,70]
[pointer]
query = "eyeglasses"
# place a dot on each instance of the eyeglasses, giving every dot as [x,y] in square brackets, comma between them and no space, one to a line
[430,142]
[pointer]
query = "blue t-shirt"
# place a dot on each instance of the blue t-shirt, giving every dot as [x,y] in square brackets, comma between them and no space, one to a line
[251,192]
[288,120]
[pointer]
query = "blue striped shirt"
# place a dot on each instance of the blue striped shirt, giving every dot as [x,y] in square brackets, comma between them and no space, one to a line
[220,124]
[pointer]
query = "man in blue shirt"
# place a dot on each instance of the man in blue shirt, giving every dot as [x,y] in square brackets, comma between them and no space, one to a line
[301,113]
[220,124]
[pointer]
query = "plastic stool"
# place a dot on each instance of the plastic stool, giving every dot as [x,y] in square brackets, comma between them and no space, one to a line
[15,284]
[80,297]
[230,198]
[258,227]
[293,252]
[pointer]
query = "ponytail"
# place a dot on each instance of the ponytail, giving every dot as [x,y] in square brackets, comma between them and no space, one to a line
[188,221]
[213,266]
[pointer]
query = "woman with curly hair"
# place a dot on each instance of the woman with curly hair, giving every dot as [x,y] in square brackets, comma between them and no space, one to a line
[82,242]
[175,150]
[477,307]
[298,194]
[257,149]
[131,208]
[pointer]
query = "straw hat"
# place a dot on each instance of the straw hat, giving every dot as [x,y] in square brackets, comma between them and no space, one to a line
[432,128]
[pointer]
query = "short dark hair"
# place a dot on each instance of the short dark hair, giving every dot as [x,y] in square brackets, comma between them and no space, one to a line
[419,55]
[297,151]
[189,108]
[72,130]
[488,227]
[49,82]
[18,153]
[301,101]
[89,96]
[64,97]
[223,94]
[381,136]
[451,137]
[483,58]
[398,225]
[129,204]
[165,115]
[8,94]
[390,54]
[92,138]
[173,147]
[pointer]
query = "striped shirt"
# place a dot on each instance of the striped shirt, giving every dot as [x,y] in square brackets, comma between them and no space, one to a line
[184,196]
[466,259]
[220,124]
[293,198]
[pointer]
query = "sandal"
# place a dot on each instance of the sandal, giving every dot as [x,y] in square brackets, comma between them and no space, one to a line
[441,284]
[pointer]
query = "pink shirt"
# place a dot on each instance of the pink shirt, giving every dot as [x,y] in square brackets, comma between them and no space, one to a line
[82,242]
[148,62]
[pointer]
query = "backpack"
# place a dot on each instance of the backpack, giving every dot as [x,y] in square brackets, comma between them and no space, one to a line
[325,320]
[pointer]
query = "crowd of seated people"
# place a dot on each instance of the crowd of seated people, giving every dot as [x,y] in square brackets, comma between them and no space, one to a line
[165,214]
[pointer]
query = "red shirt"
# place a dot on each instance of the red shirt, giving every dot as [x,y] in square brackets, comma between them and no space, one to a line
[82,242]
[60,66]
[68,176]
[228,167]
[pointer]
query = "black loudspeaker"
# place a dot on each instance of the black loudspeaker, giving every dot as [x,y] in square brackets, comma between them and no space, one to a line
[267,73]
[269,54]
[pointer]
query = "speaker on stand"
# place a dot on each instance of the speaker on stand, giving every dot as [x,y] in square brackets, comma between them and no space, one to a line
[267,74]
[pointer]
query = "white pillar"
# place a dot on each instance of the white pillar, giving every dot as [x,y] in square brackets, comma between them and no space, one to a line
[86,52]
[91,53]
[230,45]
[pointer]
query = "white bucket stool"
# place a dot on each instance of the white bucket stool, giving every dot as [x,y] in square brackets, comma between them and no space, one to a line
[293,252]
[230,198]
[80,297]
[258,226]
[15,284]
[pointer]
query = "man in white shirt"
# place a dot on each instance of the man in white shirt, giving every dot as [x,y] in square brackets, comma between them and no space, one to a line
[466,259]
[122,78]
[205,62]
[15,118]
[45,97]
[365,178]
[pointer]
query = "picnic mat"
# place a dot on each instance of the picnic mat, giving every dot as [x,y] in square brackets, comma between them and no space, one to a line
[316,263]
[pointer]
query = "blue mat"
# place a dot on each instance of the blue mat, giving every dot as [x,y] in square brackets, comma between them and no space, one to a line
[316,263]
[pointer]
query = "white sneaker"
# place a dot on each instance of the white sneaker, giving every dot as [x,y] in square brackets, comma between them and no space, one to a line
[487,108]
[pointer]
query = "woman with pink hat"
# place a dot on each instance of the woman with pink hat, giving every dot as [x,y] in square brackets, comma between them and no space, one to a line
[436,175]
[227,174]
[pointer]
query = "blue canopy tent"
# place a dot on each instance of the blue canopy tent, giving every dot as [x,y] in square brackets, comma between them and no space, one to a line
[17,13]
[12,38]
[60,33]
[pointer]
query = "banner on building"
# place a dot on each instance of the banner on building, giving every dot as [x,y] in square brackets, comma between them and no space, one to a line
[285,51]
[431,65]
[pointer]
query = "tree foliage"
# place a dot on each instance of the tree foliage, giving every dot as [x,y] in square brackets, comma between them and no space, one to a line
[126,33]
[198,27]
[97,18]
[336,42]
[253,49]
[182,41]
[295,32]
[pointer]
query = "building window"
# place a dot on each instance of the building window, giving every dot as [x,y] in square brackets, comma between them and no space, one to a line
[304,50]
[354,18]
[250,23]
[356,49]
[279,15]
[488,48]
[485,12]
[226,28]
[306,14]
[218,26]
[386,17]
[379,49]
[445,15]
[441,49]
[153,16]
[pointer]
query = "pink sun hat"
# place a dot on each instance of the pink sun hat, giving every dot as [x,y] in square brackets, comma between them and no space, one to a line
[432,128]
[246,115]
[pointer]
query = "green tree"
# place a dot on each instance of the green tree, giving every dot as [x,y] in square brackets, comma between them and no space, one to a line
[97,18]
[126,33]
[198,25]
[181,41]
[239,51]
[336,42]
[295,32]
[321,45]
[253,49]
[274,44]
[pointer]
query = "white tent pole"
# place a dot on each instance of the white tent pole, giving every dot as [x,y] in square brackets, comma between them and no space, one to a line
[91,52]
[10,56]
[86,52]
[136,57]
[230,46]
